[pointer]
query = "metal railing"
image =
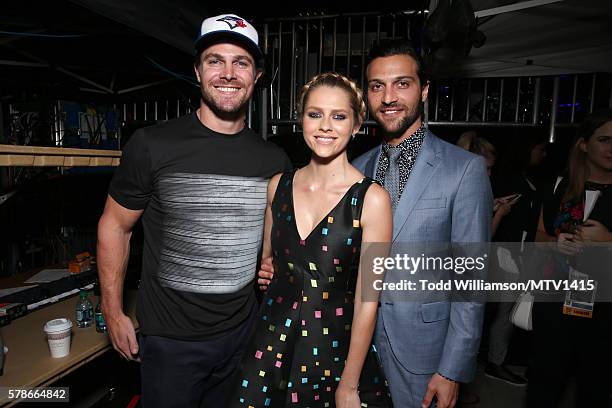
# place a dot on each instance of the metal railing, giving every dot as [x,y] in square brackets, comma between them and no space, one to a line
[154,110]
[552,101]
[300,47]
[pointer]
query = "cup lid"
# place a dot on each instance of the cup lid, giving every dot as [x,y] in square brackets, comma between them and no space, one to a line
[57,325]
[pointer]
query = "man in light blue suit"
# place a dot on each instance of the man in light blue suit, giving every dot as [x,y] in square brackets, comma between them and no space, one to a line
[440,193]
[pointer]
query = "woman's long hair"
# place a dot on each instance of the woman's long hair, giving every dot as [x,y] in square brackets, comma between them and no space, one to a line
[577,167]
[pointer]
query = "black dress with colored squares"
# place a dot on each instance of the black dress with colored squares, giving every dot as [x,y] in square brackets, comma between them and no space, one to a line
[302,337]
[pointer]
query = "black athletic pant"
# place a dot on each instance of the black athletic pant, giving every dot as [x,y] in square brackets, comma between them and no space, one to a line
[191,374]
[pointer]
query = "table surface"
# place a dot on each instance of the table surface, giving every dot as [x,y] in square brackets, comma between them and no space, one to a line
[28,362]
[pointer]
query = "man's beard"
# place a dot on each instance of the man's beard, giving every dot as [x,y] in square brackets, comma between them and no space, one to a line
[223,111]
[399,127]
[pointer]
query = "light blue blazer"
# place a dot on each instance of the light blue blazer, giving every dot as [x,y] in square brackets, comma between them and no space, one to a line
[447,198]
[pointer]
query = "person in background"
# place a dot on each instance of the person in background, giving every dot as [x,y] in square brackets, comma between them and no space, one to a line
[520,171]
[516,178]
[566,343]
[202,198]
[471,142]
[499,327]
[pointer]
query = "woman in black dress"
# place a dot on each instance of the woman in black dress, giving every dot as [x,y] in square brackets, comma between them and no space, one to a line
[312,344]
[566,343]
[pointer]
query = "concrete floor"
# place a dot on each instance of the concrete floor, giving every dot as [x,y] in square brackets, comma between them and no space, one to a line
[492,393]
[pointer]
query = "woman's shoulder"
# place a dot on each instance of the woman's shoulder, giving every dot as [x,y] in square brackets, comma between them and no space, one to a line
[376,216]
[376,196]
[275,179]
[274,182]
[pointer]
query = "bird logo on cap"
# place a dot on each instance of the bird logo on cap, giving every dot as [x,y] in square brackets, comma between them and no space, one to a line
[233,22]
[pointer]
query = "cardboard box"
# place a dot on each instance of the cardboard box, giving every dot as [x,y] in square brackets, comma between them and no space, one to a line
[81,263]
[83,256]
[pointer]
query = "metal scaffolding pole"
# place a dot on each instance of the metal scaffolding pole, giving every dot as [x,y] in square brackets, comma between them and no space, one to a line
[263,101]
[484,100]
[306,53]
[59,128]
[293,74]
[119,127]
[426,113]
[574,93]
[265,39]
[518,100]
[348,49]
[436,105]
[536,102]
[278,72]
[250,114]
[592,104]
[363,43]
[334,45]
[320,45]
[501,100]
[263,114]
[553,111]
[452,104]
[468,102]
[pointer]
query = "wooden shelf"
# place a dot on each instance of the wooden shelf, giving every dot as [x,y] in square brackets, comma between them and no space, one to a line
[33,156]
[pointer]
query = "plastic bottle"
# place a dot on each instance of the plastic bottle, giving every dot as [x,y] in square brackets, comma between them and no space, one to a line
[84,310]
[99,317]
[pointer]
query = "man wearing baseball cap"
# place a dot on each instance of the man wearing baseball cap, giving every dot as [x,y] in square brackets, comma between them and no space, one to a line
[199,183]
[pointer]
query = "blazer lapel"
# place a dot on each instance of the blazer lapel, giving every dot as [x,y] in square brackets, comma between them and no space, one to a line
[420,177]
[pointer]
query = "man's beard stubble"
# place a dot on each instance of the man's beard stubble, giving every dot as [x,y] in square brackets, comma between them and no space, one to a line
[221,111]
[403,123]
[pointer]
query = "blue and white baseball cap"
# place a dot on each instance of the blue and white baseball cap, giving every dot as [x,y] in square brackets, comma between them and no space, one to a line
[230,27]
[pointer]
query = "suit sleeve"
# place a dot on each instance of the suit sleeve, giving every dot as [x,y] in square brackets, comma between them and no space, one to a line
[361,162]
[471,223]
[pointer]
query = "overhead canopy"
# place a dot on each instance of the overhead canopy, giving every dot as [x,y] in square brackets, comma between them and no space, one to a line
[118,47]
[571,36]
[63,50]
[173,22]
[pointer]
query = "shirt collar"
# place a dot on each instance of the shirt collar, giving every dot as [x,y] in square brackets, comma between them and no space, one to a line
[414,141]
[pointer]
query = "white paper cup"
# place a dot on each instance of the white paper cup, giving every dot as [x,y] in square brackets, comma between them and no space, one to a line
[58,333]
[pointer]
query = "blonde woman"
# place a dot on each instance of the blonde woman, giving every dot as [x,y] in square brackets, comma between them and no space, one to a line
[312,344]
